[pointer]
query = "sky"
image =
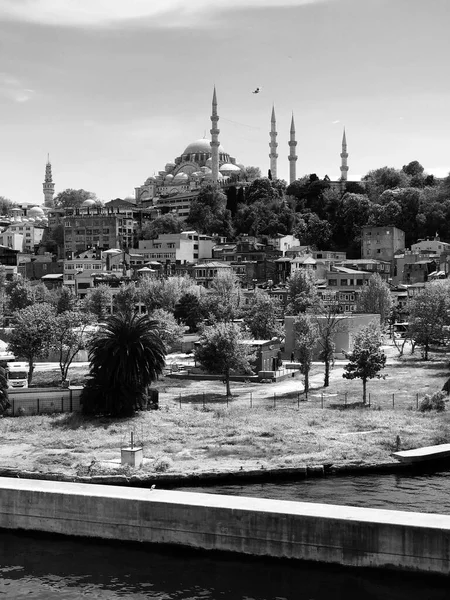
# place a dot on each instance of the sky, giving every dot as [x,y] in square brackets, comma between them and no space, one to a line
[114,89]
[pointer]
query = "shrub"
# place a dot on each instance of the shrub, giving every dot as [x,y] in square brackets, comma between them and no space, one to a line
[434,402]
[162,464]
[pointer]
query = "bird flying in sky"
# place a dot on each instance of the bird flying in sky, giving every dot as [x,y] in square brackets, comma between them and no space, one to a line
[258,89]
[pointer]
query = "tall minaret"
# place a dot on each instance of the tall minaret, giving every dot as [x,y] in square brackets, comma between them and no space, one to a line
[344,156]
[48,185]
[214,140]
[292,156]
[273,145]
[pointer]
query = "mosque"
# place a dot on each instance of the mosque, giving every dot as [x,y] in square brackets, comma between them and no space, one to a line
[206,160]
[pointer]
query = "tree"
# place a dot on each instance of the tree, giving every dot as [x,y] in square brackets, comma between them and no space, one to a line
[32,333]
[208,213]
[222,350]
[261,316]
[328,321]
[68,337]
[302,292]
[164,293]
[366,358]
[313,231]
[428,313]
[375,298]
[264,189]
[19,294]
[5,205]
[168,223]
[384,178]
[305,338]
[98,301]
[189,310]
[126,355]
[169,330]
[126,298]
[252,173]
[413,168]
[71,198]
[65,300]
[225,297]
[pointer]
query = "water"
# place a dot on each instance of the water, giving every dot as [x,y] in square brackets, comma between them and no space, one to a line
[46,568]
[424,492]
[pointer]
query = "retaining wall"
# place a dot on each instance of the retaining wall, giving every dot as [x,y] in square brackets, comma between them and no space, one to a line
[357,537]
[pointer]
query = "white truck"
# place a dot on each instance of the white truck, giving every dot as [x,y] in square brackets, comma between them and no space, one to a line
[17,374]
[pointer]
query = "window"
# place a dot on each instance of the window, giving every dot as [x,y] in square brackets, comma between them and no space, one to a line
[343,282]
[332,282]
[359,282]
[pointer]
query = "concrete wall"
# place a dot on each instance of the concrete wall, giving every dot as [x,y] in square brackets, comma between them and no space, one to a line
[344,535]
[343,338]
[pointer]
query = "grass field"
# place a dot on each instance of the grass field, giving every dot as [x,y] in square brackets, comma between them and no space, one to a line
[253,431]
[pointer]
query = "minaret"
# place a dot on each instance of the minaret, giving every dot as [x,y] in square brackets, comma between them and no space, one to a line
[48,185]
[214,140]
[344,156]
[292,156]
[273,145]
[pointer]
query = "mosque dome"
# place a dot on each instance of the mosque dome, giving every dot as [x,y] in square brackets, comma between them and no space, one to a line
[169,167]
[88,203]
[36,212]
[181,177]
[229,168]
[202,146]
[169,177]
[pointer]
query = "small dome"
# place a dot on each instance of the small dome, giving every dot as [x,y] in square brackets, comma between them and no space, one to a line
[88,203]
[205,170]
[169,177]
[229,168]
[149,180]
[169,167]
[181,177]
[202,146]
[209,162]
[36,211]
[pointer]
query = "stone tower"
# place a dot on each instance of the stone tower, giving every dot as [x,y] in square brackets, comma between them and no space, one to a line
[48,185]
[292,155]
[273,145]
[214,140]
[344,156]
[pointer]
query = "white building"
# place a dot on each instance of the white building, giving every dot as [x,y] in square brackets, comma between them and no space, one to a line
[434,245]
[187,246]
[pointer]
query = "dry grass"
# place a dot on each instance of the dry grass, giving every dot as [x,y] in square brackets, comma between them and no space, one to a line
[217,437]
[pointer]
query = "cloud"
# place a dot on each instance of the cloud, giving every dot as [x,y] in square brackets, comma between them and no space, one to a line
[335,122]
[13,89]
[106,13]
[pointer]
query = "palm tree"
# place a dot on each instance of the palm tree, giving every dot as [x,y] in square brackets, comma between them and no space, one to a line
[125,356]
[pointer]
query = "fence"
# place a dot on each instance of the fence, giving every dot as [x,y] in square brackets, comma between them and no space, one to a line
[36,401]
[316,399]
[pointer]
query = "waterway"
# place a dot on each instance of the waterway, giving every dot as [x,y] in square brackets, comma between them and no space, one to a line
[422,492]
[46,568]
